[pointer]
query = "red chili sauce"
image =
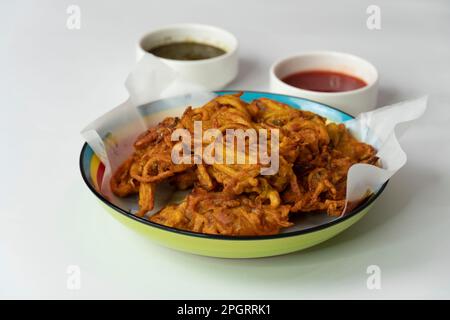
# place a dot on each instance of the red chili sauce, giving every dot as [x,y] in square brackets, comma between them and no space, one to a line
[324,81]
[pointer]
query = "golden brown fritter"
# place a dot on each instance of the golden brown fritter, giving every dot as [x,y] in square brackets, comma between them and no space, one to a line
[223,213]
[235,199]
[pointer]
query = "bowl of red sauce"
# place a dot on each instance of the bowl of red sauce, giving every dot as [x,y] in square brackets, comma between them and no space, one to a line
[338,79]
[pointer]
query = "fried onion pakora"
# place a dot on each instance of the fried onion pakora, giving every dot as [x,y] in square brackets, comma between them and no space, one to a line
[236,199]
[223,213]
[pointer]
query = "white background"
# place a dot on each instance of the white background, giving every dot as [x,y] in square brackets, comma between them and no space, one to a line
[53,81]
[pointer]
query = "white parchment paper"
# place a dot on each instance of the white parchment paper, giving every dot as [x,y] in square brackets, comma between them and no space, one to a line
[112,135]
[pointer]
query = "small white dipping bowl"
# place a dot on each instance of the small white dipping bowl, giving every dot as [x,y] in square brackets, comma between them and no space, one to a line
[352,102]
[213,73]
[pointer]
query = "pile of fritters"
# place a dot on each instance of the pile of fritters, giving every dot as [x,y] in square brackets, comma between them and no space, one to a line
[235,199]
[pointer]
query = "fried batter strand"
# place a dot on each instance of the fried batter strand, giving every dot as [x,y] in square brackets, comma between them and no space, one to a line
[235,199]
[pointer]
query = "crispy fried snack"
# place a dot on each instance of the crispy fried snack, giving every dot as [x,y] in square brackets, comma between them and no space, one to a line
[235,199]
[223,213]
[150,164]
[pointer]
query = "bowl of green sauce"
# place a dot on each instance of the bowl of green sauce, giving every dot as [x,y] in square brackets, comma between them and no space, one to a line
[202,54]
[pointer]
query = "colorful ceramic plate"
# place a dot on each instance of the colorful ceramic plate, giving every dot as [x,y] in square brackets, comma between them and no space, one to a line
[309,230]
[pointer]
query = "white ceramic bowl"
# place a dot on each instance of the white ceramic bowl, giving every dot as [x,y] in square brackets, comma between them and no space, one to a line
[212,73]
[352,102]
